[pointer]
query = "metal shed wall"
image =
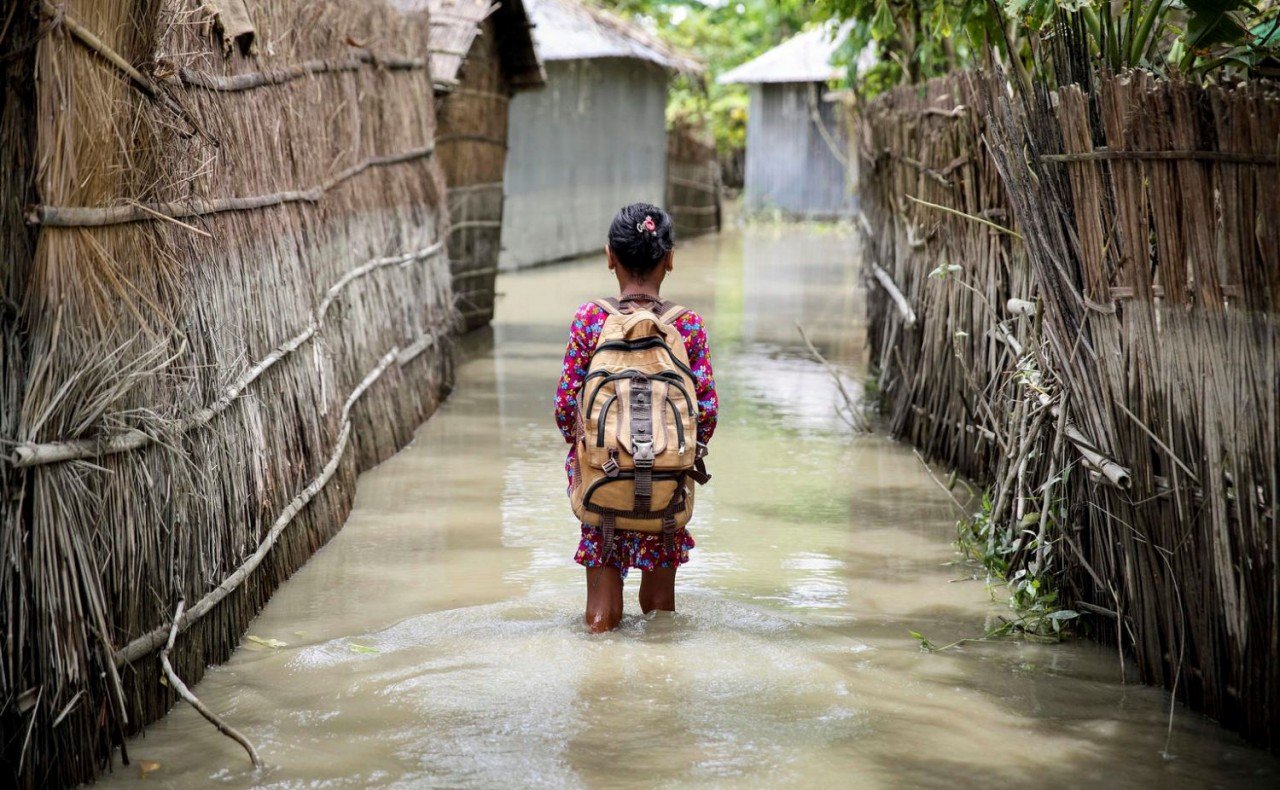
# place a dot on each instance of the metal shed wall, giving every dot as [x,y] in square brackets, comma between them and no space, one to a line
[591,142]
[790,166]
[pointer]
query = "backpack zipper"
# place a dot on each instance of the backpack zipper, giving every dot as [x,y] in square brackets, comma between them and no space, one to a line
[674,378]
[675,412]
[641,345]
[591,489]
[604,412]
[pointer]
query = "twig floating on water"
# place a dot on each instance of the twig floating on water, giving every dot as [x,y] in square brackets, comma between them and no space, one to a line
[859,421]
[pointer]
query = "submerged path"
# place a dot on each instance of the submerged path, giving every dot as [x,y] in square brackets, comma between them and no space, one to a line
[437,640]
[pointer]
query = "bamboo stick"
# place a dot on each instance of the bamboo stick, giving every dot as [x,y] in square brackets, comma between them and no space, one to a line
[177,685]
[149,641]
[96,216]
[1111,471]
[904,306]
[1102,153]
[500,142]
[260,79]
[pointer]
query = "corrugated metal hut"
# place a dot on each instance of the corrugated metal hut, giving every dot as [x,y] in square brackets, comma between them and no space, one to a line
[593,140]
[225,293]
[797,160]
[482,54]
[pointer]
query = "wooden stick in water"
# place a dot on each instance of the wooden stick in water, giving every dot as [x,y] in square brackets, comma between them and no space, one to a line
[192,699]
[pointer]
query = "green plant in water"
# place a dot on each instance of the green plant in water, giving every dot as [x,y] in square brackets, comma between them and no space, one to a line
[1018,560]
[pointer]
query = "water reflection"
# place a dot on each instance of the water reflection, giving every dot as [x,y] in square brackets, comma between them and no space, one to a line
[437,640]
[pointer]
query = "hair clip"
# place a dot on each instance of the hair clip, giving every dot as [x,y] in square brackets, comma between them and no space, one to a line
[647,225]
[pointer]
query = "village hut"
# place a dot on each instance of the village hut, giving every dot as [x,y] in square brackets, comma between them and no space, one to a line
[225,294]
[482,54]
[593,140]
[797,159]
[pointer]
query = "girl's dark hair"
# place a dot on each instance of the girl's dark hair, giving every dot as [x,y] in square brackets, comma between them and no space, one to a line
[640,236]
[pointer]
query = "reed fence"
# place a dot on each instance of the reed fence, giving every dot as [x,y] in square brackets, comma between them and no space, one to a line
[1098,342]
[227,294]
[694,192]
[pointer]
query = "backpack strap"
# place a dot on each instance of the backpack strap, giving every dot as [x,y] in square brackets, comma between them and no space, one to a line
[609,304]
[671,313]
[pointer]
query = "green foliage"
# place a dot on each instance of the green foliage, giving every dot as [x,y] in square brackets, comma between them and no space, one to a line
[1030,585]
[919,39]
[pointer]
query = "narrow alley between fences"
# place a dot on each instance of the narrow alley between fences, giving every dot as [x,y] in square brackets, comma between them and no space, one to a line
[438,637]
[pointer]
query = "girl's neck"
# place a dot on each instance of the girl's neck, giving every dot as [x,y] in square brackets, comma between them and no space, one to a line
[639,289]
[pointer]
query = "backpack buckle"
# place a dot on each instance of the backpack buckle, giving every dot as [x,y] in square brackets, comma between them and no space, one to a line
[610,466]
[643,452]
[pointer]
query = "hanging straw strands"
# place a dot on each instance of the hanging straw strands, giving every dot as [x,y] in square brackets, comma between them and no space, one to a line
[57,452]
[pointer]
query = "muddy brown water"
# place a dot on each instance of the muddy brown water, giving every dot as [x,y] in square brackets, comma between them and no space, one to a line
[437,640]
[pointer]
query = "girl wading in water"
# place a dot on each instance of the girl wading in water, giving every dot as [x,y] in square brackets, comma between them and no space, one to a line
[637,404]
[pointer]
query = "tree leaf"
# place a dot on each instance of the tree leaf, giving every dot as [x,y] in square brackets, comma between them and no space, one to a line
[354,648]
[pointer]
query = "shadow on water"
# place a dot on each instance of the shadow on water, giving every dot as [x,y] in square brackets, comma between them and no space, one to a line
[437,640]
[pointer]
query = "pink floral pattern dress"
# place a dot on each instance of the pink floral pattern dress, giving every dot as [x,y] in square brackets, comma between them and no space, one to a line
[633,549]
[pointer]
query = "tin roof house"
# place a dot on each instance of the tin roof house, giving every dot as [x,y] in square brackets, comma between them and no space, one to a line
[593,140]
[797,146]
[482,54]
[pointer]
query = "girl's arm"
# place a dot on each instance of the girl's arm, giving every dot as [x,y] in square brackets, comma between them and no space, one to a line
[583,334]
[695,333]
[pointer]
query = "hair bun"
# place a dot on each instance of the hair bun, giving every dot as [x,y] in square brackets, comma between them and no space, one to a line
[641,236]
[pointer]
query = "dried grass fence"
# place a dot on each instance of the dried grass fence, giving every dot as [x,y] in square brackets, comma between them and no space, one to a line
[230,295]
[694,192]
[1141,350]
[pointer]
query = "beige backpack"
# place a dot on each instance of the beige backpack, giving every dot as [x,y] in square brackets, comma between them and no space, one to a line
[638,453]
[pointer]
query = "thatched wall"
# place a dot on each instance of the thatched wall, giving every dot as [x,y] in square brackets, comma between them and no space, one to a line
[473,153]
[1148,360]
[229,298]
[693,182]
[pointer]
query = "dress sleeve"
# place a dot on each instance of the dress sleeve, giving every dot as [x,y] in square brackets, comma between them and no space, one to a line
[583,334]
[695,342]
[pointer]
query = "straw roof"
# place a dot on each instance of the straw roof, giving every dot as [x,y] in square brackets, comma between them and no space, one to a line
[806,57]
[455,24]
[569,30]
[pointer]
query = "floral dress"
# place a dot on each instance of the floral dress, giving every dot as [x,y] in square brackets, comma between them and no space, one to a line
[633,549]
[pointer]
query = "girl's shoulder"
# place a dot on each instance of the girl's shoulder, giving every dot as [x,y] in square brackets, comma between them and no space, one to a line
[588,313]
[690,322]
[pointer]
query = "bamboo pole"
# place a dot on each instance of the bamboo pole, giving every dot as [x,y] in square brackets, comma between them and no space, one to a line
[177,685]
[97,216]
[149,641]
[260,79]
[1102,153]
[904,306]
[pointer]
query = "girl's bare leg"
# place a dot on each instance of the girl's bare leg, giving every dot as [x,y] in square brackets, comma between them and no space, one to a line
[658,590]
[604,599]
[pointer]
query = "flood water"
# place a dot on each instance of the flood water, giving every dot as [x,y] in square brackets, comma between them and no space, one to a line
[437,640]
